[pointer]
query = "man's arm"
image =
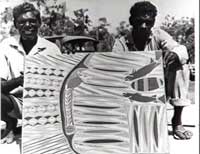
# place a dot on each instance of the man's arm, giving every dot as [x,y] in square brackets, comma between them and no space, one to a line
[7,86]
[167,43]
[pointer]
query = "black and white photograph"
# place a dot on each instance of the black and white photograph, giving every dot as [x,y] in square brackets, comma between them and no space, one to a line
[99,76]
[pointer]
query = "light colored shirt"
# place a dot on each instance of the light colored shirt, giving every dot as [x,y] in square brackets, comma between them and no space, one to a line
[158,40]
[12,60]
[12,55]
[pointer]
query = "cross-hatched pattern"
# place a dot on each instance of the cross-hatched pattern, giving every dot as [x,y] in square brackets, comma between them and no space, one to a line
[104,103]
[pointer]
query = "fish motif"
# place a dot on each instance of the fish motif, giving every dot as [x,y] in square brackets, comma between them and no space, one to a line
[142,72]
[144,99]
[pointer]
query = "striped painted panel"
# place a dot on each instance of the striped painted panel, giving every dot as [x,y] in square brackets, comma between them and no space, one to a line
[106,103]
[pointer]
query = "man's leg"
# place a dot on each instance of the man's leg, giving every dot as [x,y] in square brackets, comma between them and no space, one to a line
[6,107]
[179,131]
[177,86]
[176,119]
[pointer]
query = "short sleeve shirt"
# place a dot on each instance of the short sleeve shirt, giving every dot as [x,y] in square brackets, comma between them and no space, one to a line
[12,55]
[158,40]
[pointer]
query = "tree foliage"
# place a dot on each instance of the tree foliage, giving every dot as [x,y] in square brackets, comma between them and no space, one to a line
[55,23]
[182,30]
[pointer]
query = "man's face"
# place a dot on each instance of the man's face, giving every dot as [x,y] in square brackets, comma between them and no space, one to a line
[28,25]
[143,24]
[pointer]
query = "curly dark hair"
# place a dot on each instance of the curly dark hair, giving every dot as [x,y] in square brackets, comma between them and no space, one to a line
[142,8]
[23,8]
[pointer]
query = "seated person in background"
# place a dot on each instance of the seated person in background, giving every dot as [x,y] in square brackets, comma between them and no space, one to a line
[144,37]
[13,52]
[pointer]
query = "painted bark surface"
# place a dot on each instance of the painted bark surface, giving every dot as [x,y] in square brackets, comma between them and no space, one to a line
[104,103]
